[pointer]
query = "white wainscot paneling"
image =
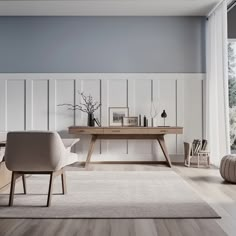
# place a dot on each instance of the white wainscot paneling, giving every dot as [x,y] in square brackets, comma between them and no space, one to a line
[3,105]
[192,119]
[16,104]
[164,98]
[64,95]
[116,96]
[30,101]
[189,110]
[140,92]
[40,105]
[89,87]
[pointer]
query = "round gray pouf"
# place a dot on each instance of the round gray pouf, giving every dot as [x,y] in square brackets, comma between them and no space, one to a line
[228,168]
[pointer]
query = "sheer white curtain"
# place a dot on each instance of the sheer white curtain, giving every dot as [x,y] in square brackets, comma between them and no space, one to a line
[217,122]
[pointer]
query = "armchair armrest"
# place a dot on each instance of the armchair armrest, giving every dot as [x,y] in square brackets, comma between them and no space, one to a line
[69,143]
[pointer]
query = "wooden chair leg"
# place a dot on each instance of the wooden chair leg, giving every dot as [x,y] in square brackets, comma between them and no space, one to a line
[24,183]
[50,189]
[63,182]
[12,191]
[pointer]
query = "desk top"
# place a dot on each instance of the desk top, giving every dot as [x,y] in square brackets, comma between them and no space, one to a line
[125,130]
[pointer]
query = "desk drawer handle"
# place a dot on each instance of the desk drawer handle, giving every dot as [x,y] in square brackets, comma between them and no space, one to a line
[163,131]
[115,131]
[81,131]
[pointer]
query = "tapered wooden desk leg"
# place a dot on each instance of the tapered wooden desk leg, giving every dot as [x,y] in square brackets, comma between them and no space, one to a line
[91,148]
[161,141]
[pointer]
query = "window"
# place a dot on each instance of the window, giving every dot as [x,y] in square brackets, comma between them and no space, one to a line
[232,92]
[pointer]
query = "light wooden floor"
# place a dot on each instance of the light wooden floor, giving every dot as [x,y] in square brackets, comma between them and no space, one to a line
[206,182]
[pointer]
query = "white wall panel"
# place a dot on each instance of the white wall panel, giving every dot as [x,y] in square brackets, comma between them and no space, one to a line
[117,97]
[104,112]
[64,95]
[52,104]
[140,103]
[3,105]
[15,105]
[40,104]
[192,100]
[89,87]
[29,101]
[164,96]
[28,104]
[180,114]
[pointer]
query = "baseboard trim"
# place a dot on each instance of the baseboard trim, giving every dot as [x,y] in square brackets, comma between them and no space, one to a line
[130,162]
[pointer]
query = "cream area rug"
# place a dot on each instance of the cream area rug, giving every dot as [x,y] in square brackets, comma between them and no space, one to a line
[104,194]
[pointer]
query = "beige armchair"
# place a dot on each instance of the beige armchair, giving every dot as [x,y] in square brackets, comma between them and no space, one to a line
[38,153]
[3,137]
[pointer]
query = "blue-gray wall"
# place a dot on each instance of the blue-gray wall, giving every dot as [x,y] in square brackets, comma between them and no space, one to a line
[102,44]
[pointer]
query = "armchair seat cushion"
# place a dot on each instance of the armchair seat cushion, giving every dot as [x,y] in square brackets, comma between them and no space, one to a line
[69,159]
[69,142]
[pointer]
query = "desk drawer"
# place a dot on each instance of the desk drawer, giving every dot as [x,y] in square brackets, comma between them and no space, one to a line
[158,131]
[124,131]
[165,130]
[86,131]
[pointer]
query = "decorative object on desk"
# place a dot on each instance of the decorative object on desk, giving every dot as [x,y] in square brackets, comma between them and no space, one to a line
[130,121]
[90,121]
[144,121]
[164,115]
[97,122]
[88,105]
[153,113]
[116,115]
[139,120]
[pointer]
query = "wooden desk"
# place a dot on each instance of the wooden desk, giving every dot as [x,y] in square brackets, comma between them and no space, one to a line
[156,133]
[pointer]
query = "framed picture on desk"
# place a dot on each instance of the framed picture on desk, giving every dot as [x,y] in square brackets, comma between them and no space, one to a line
[130,121]
[116,115]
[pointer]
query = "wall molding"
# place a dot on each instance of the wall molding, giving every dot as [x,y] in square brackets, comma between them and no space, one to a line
[110,76]
[28,101]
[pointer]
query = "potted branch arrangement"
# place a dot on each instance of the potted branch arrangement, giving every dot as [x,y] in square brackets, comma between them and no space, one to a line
[87,105]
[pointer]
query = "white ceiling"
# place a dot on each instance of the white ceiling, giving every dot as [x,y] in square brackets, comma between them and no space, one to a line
[108,7]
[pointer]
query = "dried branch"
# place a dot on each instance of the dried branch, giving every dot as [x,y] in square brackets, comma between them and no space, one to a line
[87,105]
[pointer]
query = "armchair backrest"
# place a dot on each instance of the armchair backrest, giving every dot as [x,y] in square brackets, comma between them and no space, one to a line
[33,151]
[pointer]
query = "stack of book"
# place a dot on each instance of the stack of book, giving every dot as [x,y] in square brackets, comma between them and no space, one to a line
[204,145]
[197,146]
